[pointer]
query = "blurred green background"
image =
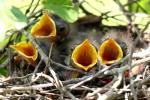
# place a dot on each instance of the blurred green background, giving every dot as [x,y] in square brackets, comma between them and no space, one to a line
[13,11]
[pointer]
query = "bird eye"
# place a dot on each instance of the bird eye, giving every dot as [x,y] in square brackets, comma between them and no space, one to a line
[62,28]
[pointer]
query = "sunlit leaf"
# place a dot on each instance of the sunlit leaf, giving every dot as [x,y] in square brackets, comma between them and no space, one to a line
[142,6]
[5,41]
[108,9]
[10,17]
[115,19]
[62,8]
[18,15]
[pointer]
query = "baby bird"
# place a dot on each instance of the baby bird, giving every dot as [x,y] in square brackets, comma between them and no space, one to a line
[113,47]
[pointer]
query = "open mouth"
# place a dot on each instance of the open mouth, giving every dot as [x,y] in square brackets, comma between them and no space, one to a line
[27,50]
[110,52]
[84,56]
[44,28]
[85,59]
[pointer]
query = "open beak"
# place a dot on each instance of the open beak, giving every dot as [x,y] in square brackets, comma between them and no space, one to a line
[27,50]
[109,52]
[84,56]
[44,28]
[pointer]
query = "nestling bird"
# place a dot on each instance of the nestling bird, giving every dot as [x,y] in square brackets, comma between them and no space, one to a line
[50,29]
[114,47]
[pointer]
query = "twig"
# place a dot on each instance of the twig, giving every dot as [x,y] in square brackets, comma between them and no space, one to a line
[141,61]
[114,92]
[3,97]
[126,67]
[36,69]
[130,2]
[146,26]
[58,82]
[67,67]
[35,6]
[134,43]
[105,88]
[69,94]
[75,80]
[31,87]
[147,67]
[48,64]
[42,54]
[98,90]
[37,87]
[45,57]
[90,78]
[121,69]
[28,25]
[124,10]
[118,82]
[33,14]
[16,78]
[142,54]
[10,62]
[46,77]
[28,9]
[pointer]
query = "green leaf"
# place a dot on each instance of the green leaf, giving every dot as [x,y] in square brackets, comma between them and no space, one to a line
[142,6]
[3,58]
[10,17]
[62,8]
[18,15]
[97,7]
[3,71]
[108,9]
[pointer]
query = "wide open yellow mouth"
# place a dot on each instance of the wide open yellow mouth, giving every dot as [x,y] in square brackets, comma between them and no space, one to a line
[84,56]
[109,52]
[45,28]
[27,50]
